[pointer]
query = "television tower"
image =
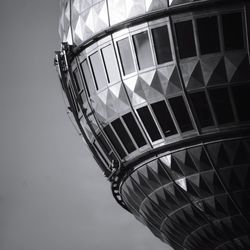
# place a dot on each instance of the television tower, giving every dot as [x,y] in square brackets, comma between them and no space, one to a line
[160,92]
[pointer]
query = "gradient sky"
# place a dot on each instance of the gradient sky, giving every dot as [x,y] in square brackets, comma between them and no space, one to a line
[52,194]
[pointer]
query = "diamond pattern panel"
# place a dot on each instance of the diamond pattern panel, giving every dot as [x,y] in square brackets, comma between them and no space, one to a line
[183,196]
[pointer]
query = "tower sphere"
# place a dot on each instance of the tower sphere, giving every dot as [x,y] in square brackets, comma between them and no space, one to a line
[160,92]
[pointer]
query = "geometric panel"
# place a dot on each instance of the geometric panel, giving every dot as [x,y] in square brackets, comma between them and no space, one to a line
[192,74]
[238,68]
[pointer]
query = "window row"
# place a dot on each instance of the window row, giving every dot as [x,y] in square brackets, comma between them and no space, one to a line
[210,38]
[101,67]
[164,119]
[158,122]
[220,103]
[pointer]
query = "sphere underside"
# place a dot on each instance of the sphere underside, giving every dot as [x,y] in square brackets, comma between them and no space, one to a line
[160,92]
[195,198]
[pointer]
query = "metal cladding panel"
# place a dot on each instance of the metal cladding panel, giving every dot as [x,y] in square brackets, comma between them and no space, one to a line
[82,19]
[196,198]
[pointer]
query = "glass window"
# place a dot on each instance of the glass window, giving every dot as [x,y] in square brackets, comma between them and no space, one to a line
[123,135]
[233,31]
[208,34]
[134,129]
[73,101]
[98,70]
[164,118]
[78,80]
[126,56]
[143,50]
[222,105]
[242,101]
[181,114]
[110,64]
[88,78]
[185,39]
[162,44]
[201,107]
[149,123]
[114,141]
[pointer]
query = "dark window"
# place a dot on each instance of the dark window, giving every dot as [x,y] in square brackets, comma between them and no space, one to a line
[233,31]
[208,34]
[126,56]
[134,129]
[110,64]
[185,39]
[98,70]
[149,123]
[242,101]
[222,106]
[73,103]
[88,78]
[78,80]
[164,118]
[123,135]
[181,114]
[143,50]
[114,141]
[162,44]
[200,105]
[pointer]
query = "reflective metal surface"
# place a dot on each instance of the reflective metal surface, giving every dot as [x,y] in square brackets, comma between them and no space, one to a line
[160,92]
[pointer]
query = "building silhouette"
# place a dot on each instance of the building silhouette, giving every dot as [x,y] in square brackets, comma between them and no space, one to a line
[160,92]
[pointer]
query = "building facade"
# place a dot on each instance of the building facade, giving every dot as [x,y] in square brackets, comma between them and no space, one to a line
[160,92]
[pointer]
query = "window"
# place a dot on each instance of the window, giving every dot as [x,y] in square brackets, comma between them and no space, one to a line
[242,101]
[149,123]
[162,44]
[110,64]
[208,34]
[98,70]
[114,141]
[233,31]
[134,129]
[143,50]
[185,39]
[201,107]
[126,56]
[123,135]
[78,80]
[222,106]
[164,118]
[88,78]
[181,114]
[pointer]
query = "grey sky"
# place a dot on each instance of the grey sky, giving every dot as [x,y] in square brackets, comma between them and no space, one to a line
[52,195]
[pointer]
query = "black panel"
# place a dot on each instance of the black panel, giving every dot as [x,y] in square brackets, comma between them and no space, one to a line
[110,64]
[123,135]
[222,105]
[164,118]
[185,39]
[114,141]
[181,114]
[233,31]
[78,80]
[88,78]
[162,44]
[134,129]
[149,123]
[201,107]
[242,101]
[143,50]
[98,70]
[126,56]
[208,34]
